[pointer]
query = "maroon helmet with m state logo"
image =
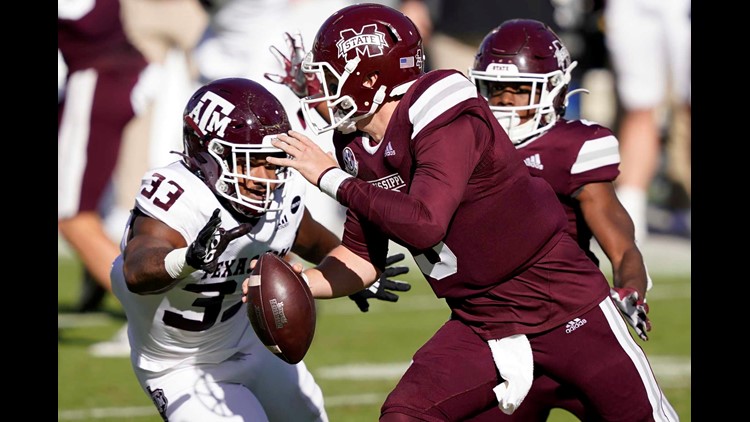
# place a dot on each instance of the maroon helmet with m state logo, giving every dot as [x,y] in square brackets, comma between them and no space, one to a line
[351,46]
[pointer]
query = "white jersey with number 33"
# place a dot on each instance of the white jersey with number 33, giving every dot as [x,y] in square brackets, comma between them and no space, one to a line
[202,318]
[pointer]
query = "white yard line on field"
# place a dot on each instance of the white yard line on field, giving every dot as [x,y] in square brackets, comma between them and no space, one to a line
[143,411]
[670,371]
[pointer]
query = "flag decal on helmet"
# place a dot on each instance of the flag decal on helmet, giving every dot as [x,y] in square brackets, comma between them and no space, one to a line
[369,41]
[406,62]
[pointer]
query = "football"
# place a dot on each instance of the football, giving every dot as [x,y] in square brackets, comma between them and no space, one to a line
[281,308]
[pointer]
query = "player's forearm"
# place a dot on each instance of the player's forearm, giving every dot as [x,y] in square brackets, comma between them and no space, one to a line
[145,270]
[341,273]
[631,272]
[314,241]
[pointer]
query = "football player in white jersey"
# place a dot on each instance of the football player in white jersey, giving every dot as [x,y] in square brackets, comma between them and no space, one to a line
[196,225]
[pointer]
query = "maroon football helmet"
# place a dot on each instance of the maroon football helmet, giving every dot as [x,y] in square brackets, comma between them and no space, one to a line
[529,52]
[352,44]
[229,121]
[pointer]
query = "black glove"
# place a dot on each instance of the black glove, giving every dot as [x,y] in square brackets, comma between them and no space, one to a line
[380,289]
[211,242]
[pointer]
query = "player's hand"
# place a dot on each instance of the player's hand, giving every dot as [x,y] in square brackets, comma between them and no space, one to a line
[383,288]
[633,308]
[211,242]
[304,155]
[301,83]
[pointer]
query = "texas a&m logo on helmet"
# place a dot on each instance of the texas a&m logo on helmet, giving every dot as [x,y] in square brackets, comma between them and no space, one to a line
[211,114]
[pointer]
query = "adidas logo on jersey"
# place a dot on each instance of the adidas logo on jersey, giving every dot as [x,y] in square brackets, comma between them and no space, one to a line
[534,161]
[389,150]
[574,325]
[284,221]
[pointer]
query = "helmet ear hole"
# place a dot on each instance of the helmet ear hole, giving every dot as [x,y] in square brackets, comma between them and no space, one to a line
[371,79]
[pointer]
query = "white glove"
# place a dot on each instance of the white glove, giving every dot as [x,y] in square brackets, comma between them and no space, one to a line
[633,309]
[515,362]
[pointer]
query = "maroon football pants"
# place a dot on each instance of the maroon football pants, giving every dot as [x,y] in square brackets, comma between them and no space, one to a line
[452,375]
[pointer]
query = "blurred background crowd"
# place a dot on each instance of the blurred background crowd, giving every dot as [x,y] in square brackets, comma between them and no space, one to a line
[633,58]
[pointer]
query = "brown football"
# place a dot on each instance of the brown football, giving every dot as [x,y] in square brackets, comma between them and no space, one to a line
[281,308]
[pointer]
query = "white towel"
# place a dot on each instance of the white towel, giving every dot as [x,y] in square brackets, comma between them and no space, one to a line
[515,362]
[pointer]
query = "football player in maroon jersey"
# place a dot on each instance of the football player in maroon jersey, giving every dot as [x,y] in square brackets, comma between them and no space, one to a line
[425,163]
[103,71]
[523,70]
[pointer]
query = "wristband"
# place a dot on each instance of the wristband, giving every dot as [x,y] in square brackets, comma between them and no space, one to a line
[176,265]
[330,180]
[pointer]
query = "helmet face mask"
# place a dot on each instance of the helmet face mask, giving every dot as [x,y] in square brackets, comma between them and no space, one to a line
[236,174]
[341,108]
[527,52]
[352,45]
[227,132]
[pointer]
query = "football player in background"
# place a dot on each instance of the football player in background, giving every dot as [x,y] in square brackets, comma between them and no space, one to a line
[523,69]
[426,164]
[109,82]
[652,68]
[196,226]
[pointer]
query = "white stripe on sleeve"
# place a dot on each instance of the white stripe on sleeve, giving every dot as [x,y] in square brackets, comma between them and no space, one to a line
[596,153]
[438,98]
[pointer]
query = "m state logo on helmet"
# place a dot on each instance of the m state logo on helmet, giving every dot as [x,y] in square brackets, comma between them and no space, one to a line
[369,41]
[225,123]
[353,44]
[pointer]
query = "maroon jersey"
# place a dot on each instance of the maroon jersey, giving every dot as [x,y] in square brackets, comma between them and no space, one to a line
[485,233]
[568,156]
[97,40]
[103,71]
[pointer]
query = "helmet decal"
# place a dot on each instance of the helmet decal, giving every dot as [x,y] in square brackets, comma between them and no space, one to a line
[561,54]
[368,41]
[208,116]
[411,61]
[352,44]
[227,123]
[502,67]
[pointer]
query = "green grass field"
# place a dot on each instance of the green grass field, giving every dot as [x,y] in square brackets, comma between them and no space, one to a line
[356,357]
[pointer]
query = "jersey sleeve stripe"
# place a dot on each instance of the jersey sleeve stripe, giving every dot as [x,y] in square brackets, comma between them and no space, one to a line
[438,98]
[596,153]
[73,138]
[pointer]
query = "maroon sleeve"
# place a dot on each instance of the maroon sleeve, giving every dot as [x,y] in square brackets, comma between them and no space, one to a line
[445,159]
[365,240]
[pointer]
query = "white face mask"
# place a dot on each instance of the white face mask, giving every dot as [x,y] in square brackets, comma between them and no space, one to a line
[511,122]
